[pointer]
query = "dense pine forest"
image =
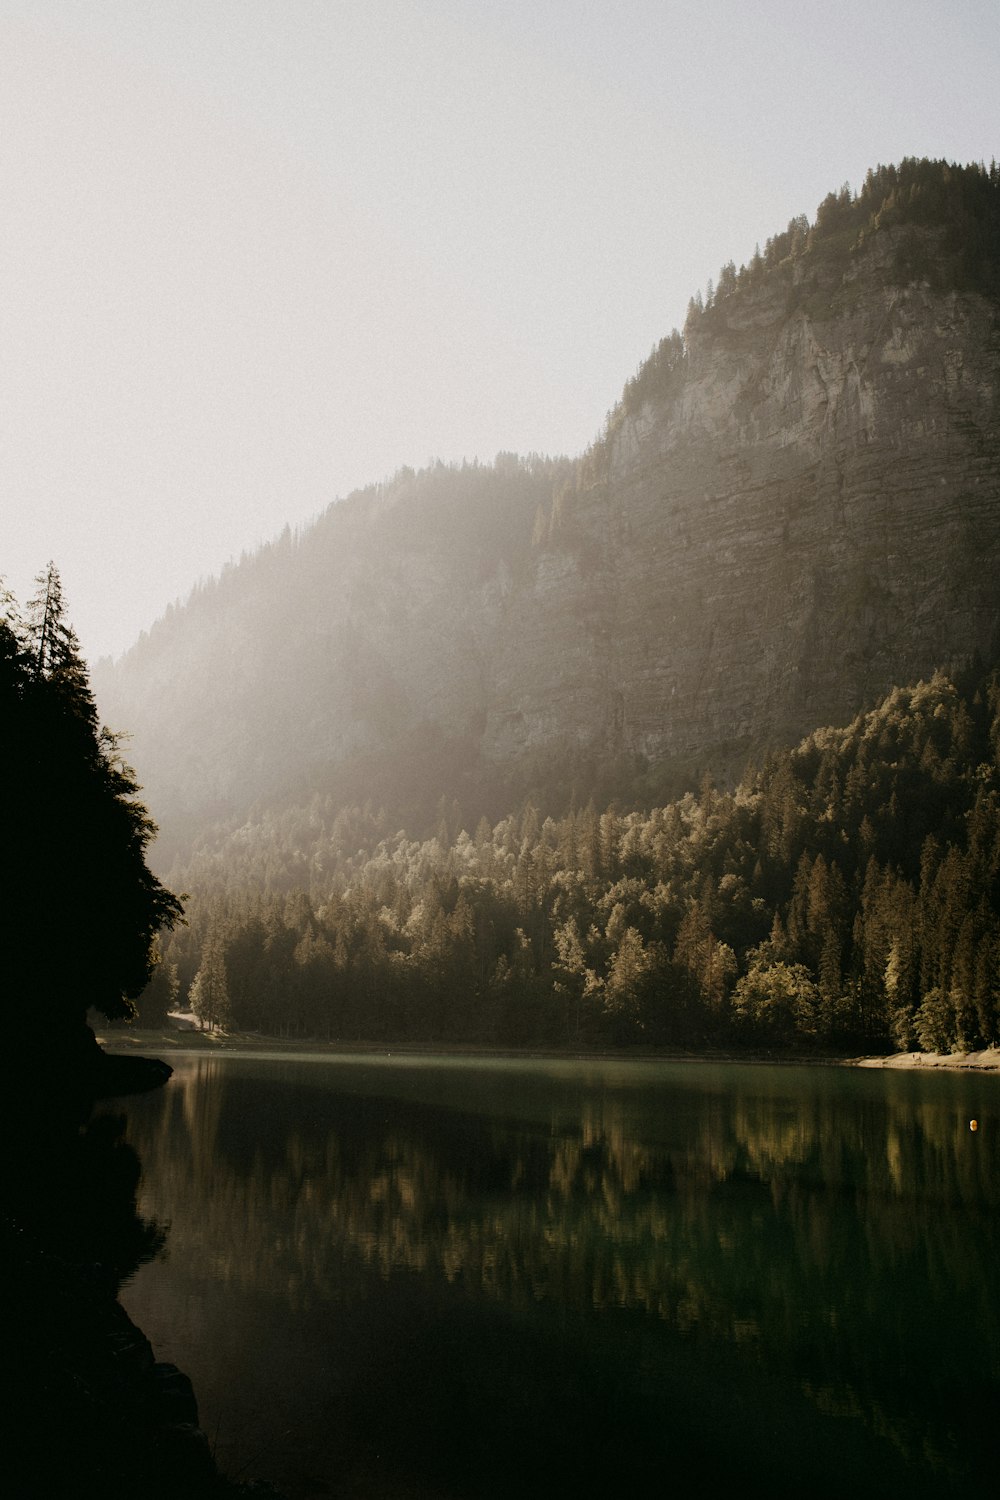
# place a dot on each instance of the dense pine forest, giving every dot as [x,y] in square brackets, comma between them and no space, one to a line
[845,895]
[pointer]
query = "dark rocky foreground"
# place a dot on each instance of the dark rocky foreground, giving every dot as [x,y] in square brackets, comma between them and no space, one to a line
[89,1410]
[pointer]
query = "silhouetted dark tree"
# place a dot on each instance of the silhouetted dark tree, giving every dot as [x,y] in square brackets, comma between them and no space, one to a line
[78,903]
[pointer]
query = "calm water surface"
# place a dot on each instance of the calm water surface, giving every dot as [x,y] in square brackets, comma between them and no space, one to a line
[459,1278]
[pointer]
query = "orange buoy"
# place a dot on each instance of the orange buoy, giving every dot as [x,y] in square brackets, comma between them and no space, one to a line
[973,1124]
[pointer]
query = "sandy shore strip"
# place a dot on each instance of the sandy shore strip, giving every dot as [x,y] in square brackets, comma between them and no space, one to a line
[987,1061]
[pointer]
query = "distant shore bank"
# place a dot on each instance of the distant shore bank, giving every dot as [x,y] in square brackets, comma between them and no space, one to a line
[185,1039]
[987,1061]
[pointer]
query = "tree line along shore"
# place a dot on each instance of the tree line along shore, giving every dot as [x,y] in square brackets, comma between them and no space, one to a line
[842,899]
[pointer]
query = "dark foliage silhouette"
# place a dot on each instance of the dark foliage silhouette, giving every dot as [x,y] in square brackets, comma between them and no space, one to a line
[79,905]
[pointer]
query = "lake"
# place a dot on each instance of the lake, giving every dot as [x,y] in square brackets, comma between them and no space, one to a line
[397,1276]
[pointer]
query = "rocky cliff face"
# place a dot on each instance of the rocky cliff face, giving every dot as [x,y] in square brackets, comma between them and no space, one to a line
[809,513]
[814,516]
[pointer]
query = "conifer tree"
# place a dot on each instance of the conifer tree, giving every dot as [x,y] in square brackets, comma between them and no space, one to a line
[80,906]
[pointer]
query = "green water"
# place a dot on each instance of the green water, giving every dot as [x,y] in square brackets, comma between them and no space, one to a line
[451,1278]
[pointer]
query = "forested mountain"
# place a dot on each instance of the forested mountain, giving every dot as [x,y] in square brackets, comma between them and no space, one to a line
[844,895]
[428,769]
[792,509]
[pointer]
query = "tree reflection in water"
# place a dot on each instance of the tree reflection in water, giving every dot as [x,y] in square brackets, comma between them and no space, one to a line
[473,1279]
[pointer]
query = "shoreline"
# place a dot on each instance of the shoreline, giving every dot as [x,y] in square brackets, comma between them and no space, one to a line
[986,1061]
[185,1040]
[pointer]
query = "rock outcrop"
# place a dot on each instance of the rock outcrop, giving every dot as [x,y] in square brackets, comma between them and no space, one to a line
[814,516]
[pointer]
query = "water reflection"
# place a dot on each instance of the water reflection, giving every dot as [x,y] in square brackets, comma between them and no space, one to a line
[611,1268]
[82,1399]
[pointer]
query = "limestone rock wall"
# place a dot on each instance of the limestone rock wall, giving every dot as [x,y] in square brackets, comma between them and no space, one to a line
[816,517]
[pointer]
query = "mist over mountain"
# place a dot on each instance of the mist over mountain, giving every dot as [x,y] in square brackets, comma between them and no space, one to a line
[793,507]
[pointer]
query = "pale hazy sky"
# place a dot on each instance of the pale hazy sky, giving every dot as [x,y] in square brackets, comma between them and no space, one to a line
[256,253]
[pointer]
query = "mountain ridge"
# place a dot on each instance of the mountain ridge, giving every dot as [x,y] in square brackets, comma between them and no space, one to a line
[793,508]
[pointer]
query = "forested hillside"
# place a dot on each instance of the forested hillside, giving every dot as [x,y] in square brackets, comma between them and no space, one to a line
[429,769]
[845,895]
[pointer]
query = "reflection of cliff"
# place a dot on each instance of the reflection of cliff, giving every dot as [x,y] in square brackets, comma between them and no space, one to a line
[758,1222]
